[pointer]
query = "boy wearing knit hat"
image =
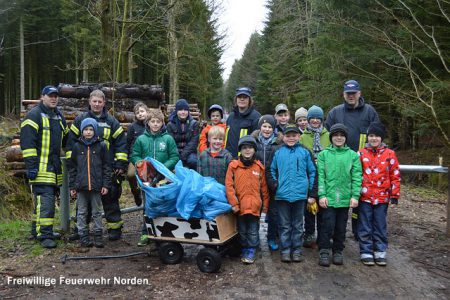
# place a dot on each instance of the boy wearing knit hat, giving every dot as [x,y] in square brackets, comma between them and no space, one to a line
[185,131]
[301,118]
[315,138]
[267,142]
[380,187]
[90,178]
[339,172]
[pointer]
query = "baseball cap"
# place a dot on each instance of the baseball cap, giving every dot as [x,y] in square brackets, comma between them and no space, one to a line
[49,89]
[291,128]
[281,107]
[243,91]
[351,86]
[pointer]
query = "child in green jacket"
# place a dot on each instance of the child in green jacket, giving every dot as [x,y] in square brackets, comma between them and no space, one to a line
[158,144]
[340,177]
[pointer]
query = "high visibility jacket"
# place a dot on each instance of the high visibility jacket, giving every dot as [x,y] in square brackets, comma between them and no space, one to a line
[240,124]
[43,133]
[110,131]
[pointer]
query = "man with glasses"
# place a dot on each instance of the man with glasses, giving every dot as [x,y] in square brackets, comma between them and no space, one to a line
[356,115]
[243,120]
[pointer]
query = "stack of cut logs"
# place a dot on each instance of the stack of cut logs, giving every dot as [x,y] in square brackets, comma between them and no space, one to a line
[73,101]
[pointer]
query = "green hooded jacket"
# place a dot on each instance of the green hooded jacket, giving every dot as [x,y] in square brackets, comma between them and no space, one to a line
[340,175]
[160,146]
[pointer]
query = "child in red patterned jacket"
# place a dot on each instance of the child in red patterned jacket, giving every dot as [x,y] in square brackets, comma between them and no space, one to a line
[380,187]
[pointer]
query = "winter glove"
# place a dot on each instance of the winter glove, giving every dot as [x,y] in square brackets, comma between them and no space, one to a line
[313,208]
[394,201]
[32,174]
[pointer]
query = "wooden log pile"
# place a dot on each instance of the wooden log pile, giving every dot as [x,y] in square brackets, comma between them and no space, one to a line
[74,100]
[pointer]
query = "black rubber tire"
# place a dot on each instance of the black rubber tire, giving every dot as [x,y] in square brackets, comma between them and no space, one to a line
[209,260]
[171,253]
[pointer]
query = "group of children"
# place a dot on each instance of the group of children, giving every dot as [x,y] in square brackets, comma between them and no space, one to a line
[282,170]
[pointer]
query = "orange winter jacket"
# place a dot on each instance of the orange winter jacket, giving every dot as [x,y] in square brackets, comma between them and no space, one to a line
[203,143]
[246,187]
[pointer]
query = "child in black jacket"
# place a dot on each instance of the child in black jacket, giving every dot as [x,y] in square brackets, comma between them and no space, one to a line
[90,178]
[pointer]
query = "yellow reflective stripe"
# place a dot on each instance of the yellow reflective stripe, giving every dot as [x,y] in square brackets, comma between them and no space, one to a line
[75,130]
[31,123]
[45,221]
[354,216]
[114,225]
[106,133]
[117,133]
[59,179]
[68,154]
[38,215]
[107,144]
[33,217]
[362,140]
[243,132]
[29,152]
[45,177]
[121,156]
[226,137]
[45,150]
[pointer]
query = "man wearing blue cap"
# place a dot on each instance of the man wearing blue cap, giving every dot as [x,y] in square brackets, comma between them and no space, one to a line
[42,133]
[356,115]
[243,120]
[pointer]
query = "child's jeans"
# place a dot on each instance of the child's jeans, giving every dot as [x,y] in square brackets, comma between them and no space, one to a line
[333,225]
[248,227]
[290,225]
[372,229]
[84,200]
[272,220]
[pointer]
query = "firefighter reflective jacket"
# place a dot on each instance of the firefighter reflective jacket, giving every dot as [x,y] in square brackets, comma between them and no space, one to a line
[110,131]
[43,133]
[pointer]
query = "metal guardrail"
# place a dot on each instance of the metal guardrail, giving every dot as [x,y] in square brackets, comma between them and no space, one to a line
[65,193]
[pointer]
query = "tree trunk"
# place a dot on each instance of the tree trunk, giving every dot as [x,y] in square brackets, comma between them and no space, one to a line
[106,73]
[173,51]
[22,62]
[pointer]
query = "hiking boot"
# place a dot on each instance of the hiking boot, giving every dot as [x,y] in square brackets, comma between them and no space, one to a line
[48,243]
[297,257]
[250,256]
[56,236]
[380,261]
[286,257]
[74,236]
[273,246]
[324,258]
[114,234]
[368,261]
[338,258]
[98,240]
[309,241]
[85,241]
[143,240]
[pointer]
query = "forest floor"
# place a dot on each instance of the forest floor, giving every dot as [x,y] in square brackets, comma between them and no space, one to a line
[418,266]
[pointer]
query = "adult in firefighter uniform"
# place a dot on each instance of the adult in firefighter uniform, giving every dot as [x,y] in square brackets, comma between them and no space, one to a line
[110,131]
[42,134]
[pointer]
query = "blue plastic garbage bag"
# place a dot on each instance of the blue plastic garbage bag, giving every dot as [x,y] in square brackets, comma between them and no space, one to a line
[161,201]
[214,200]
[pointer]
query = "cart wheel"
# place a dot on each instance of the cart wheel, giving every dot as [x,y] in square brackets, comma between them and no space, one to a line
[171,253]
[209,260]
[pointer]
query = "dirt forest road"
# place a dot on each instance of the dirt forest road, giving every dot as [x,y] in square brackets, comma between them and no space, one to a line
[418,268]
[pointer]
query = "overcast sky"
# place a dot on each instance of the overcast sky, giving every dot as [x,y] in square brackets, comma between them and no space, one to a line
[240,18]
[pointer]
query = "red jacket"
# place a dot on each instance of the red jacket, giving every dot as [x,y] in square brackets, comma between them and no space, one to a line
[381,175]
[246,187]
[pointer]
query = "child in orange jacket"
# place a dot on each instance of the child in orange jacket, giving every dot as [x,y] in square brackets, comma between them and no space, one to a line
[247,193]
[215,114]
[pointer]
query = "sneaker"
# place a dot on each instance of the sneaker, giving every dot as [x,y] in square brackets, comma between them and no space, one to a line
[286,257]
[273,246]
[381,261]
[368,261]
[250,256]
[297,257]
[324,258]
[143,240]
[308,241]
[244,256]
[338,258]
[48,243]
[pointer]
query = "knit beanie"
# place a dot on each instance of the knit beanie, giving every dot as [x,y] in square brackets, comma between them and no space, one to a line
[267,119]
[378,129]
[181,104]
[315,112]
[301,112]
[89,122]
[338,127]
